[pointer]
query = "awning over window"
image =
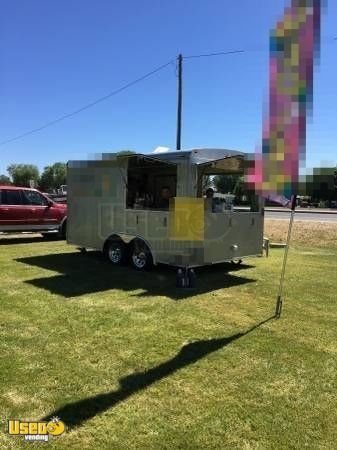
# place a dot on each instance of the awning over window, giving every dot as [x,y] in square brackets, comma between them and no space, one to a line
[209,155]
[139,157]
[231,164]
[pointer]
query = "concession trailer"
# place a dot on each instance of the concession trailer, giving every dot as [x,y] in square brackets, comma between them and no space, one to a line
[150,208]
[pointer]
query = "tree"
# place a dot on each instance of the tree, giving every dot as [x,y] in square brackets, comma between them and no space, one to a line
[320,185]
[4,179]
[47,179]
[22,174]
[240,188]
[60,173]
[53,176]
[226,183]
[125,153]
[207,182]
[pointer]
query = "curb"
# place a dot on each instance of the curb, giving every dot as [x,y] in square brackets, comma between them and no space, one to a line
[308,211]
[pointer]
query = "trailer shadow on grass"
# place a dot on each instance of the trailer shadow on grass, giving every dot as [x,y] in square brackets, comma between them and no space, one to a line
[80,274]
[74,414]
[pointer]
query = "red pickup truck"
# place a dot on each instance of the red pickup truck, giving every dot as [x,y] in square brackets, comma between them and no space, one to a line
[24,209]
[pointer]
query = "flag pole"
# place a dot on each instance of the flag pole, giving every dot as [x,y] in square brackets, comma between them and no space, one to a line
[279,300]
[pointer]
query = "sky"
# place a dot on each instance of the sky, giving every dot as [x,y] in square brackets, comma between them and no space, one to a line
[57,56]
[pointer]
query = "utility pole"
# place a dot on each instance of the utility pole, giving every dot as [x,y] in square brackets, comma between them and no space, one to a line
[180,73]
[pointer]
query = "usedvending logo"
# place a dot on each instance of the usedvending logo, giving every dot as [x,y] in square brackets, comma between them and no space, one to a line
[36,431]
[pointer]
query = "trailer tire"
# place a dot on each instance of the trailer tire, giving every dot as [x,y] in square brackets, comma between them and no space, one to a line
[236,262]
[116,252]
[140,255]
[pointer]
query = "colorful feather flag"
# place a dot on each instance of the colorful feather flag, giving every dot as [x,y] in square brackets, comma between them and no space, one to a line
[294,45]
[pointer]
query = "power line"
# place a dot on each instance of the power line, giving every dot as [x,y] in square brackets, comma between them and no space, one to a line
[89,105]
[214,54]
[117,91]
[111,94]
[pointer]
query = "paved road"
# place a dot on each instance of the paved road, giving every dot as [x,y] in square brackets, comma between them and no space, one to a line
[307,216]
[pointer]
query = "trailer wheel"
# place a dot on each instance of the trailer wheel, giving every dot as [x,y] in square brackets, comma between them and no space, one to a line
[236,262]
[141,257]
[115,251]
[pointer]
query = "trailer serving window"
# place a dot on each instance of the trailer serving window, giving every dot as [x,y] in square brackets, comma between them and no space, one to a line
[226,177]
[150,182]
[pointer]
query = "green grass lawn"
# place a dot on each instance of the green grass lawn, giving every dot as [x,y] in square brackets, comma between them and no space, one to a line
[130,362]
